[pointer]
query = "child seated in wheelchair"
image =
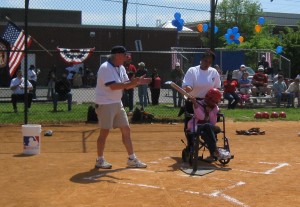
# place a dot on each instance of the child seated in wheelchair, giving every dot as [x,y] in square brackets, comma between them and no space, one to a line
[203,123]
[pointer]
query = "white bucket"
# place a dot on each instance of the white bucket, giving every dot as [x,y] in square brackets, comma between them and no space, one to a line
[31,138]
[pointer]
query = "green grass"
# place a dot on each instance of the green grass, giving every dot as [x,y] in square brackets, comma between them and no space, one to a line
[163,113]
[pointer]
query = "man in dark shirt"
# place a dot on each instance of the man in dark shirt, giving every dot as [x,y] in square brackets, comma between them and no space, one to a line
[62,92]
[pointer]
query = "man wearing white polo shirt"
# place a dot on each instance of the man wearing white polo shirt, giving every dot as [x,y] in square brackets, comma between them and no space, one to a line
[111,81]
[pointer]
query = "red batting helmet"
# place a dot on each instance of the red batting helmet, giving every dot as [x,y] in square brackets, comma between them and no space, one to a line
[258,115]
[282,114]
[274,114]
[265,115]
[213,97]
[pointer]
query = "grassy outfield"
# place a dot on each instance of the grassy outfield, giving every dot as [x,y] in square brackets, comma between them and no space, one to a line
[42,113]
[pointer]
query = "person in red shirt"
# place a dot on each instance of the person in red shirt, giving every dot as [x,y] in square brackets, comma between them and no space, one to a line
[230,94]
[155,86]
[260,82]
[128,95]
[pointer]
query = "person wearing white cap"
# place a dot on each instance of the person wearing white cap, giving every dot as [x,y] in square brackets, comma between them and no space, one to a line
[177,76]
[294,88]
[237,74]
[260,83]
[142,89]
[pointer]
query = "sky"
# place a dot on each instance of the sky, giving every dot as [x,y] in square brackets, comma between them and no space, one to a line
[143,12]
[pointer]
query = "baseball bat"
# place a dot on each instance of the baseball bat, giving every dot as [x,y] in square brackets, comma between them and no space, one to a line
[180,90]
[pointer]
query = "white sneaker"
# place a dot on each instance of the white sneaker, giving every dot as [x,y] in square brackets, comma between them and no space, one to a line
[101,163]
[222,154]
[135,163]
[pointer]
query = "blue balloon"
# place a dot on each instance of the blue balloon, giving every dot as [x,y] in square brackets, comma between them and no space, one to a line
[216,29]
[179,28]
[226,36]
[181,22]
[174,22]
[279,49]
[261,20]
[177,15]
[229,31]
[235,30]
[237,35]
[205,27]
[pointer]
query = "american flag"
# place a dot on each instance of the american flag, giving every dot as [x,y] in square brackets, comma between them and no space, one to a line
[75,56]
[16,38]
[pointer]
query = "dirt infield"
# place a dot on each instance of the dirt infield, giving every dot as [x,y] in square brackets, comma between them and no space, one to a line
[264,172]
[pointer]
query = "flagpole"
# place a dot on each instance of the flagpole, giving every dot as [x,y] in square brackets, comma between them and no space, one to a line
[39,44]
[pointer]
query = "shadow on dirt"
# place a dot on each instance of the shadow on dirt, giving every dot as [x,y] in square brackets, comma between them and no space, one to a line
[96,175]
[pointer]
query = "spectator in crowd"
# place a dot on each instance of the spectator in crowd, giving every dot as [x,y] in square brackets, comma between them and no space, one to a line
[77,78]
[142,89]
[32,77]
[245,88]
[128,95]
[155,86]
[230,89]
[51,82]
[62,92]
[280,72]
[260,83]
[279,90]
[294,88]
[17,85]
[245,84]
[237,74]
[177,76]
[264,63]
[218,68]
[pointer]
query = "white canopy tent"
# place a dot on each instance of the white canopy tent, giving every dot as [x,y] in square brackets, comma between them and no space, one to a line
[169,25]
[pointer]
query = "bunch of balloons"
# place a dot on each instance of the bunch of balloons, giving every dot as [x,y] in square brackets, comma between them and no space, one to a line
[178,22]
[204,28]
[233,36]
[260,21]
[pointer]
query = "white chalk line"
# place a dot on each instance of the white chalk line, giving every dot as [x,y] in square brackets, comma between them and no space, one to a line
[268,172]
[213,194]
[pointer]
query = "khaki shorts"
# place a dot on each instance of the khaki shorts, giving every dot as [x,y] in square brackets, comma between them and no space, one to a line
[111,116]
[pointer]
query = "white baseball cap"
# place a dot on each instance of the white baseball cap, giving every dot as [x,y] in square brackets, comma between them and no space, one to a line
[243,66]
[260,68]
[177,64]
[141,64]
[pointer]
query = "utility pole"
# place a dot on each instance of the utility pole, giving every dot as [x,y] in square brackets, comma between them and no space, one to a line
[26,62]
[125,2]
[213,6]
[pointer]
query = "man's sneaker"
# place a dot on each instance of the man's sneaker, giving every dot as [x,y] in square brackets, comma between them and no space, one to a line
[222,154]
[136,163]
[101,163]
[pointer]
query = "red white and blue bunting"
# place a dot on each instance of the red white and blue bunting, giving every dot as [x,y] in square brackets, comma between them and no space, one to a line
[75,56]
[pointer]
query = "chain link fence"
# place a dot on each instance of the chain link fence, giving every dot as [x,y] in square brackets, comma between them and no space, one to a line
[149,36]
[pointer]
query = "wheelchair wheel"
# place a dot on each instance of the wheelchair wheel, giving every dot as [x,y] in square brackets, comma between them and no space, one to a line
[194,154]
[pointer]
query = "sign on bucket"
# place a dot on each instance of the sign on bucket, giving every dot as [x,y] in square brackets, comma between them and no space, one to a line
[31,138]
